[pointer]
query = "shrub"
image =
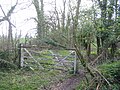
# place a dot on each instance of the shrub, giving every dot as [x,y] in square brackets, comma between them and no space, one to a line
[112,73]
[5,62]
[4,55]
[6,65]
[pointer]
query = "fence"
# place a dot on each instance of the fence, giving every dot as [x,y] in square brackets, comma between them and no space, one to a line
[51,58]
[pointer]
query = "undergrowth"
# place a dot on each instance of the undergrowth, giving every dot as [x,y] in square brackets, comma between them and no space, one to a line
[107,78]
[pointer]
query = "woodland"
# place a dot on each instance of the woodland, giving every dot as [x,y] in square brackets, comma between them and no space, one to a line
[90,34]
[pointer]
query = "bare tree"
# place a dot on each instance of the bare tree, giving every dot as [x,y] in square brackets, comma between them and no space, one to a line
[6,17]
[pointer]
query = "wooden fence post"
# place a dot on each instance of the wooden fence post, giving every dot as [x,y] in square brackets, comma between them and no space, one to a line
[22,57]
[19,54]
[75,63]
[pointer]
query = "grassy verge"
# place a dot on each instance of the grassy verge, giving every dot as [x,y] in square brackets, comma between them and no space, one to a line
[28,80]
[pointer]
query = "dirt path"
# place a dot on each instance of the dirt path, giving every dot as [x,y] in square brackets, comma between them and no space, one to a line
[69,84]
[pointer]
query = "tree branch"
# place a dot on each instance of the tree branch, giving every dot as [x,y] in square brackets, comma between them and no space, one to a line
[6,17]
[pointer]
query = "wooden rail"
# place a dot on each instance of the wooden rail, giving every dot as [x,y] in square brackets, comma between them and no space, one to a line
[23,48]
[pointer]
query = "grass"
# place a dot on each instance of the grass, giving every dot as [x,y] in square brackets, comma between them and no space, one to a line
[27,80]
[63,52]
[36,79]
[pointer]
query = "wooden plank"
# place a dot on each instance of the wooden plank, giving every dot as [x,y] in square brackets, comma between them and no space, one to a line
[33,58]
[30,46]
[45,47]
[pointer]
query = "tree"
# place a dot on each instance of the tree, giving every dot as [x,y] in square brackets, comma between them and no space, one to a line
[39,6]
[107,33]
[6,17]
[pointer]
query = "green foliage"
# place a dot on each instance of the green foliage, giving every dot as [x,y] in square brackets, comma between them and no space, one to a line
[5,63]
[54,43]
[4,55]
[111,71]
[81,86]
[117,53]
[113,86]
[93,53]
[63,52]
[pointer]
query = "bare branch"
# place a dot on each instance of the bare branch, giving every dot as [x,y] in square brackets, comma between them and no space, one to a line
[9,12]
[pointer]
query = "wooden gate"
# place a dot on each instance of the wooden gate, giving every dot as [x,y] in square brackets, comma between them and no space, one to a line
[31,56]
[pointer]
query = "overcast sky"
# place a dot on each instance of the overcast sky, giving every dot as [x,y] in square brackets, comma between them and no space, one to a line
[21,15]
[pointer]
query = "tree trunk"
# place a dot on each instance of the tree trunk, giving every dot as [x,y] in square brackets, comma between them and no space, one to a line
[98,45]
[113,49]
[88,50]
[40,17]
